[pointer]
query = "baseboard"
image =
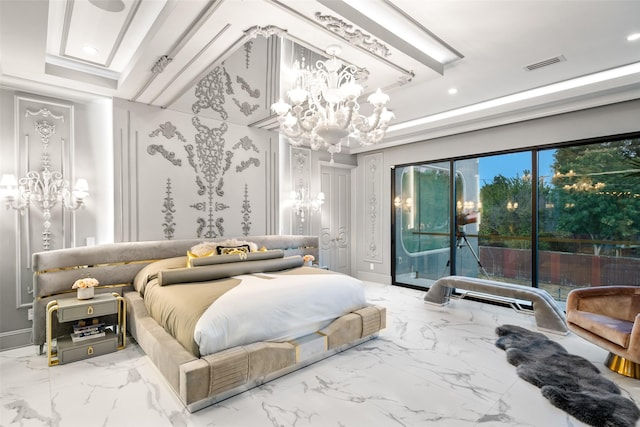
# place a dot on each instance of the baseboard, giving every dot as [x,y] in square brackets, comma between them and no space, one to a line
[15,339]
[373,277]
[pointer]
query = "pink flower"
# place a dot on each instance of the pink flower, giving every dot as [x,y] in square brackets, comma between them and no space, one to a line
[308,258]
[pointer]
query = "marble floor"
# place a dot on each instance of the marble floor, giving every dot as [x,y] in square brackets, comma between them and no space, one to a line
[431,366]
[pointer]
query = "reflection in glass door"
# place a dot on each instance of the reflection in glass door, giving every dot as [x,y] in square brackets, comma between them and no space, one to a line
[422,223]
[557,218]
[485,232]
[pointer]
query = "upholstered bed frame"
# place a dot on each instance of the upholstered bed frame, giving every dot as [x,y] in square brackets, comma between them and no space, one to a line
[198,382]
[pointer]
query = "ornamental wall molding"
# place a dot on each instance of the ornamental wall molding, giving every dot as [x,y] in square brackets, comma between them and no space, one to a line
[352,35]
[161,64]
[268,31]
[373,195]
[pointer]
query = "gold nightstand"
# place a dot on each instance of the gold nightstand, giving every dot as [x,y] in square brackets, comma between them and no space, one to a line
[70,309]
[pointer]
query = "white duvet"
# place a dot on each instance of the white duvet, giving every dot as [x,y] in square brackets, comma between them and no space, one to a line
[269,307]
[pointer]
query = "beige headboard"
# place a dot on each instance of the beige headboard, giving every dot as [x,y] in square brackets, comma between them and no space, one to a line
[115,265]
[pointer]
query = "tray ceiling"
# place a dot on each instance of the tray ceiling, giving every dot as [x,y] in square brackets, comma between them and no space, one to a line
[152,51]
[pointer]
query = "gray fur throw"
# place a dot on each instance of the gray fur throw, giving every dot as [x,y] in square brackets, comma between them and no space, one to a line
[569,382]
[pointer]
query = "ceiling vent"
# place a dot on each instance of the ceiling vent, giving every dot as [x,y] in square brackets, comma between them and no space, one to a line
[545,63]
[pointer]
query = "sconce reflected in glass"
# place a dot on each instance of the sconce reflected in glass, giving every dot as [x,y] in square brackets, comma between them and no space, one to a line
[406,204]
[302,203]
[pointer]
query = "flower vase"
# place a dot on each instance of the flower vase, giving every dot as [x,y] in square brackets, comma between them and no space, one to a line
[85,293]
[309,263]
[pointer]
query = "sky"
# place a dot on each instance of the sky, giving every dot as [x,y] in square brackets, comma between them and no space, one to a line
[512,165]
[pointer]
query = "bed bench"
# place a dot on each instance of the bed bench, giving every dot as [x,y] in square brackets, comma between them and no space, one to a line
[198,381]
[549,316]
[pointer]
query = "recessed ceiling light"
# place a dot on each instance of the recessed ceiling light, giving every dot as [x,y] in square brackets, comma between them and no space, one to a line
[602,76]
[633,37]
[89,50]
[453,91]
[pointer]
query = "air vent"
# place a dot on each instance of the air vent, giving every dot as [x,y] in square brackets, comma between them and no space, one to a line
[545,63]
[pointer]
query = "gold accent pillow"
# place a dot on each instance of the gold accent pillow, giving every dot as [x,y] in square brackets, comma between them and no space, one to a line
[230,246]
[230,250]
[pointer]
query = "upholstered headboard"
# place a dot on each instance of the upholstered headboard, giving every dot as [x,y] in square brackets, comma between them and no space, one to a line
[115,265]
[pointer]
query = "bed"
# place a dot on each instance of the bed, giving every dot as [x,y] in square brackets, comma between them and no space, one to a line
[176,297]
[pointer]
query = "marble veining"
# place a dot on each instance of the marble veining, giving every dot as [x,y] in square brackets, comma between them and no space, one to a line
[431,366]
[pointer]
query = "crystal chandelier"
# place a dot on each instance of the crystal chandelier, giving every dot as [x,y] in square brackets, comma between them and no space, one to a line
[324,107]
[301,202]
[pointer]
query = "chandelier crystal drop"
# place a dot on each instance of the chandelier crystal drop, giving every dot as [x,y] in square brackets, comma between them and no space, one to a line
[323,108]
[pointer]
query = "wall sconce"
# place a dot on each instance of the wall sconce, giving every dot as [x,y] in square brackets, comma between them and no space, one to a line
[43,189]
[302,203]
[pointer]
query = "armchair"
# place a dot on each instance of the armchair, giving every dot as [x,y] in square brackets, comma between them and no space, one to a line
[609,317]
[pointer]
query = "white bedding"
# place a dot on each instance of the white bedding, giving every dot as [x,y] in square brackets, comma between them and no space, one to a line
[269,307]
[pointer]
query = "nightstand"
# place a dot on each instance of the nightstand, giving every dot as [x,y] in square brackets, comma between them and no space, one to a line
[71,309]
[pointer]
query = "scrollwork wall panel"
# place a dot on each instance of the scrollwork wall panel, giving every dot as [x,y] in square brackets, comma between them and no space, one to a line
[44,139]
[199,165]
[372,194]
[300,179]
[199,184]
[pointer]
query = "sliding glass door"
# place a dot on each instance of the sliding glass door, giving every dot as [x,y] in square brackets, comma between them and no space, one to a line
[422,222]
[555,218]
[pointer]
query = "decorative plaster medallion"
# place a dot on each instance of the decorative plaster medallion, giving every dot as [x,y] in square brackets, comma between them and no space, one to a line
[300,158]
[221,206]
[227,161]
[266,32]
[227,82]
[247,163]
[254,93]
[168,130]
[161,64]
[210,93]
[211,156]
[45,129]
[352,35]
[168,210]
[44,112]
[169,155]
[219,190]
[246,108]
[202,189]
[373,195]
[219,226]
[191,156]
[201,225]
[247,53]
[246,212]
[246,143]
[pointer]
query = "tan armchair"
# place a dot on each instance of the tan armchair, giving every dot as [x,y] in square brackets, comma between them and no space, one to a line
[609,317]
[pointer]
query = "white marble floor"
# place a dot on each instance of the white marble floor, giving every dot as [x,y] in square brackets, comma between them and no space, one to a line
[431,366]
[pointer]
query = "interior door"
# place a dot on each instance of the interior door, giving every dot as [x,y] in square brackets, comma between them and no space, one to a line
[335,224]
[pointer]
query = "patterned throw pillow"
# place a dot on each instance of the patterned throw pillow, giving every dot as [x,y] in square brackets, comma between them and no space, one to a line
[231,250]
[231,246]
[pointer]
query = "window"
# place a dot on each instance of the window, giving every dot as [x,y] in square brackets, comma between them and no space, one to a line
[555,218]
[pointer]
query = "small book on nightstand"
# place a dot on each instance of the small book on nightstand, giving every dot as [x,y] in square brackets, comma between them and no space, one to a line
[84,331]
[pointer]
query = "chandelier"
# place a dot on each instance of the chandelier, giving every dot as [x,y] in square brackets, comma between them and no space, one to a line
[324,110]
